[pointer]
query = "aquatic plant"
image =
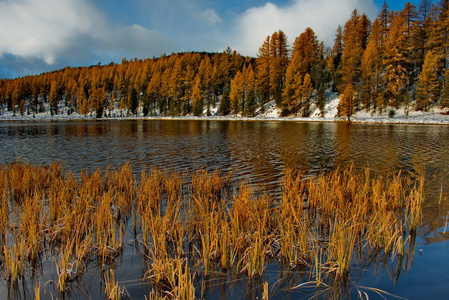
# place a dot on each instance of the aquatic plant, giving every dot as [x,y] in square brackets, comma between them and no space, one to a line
[191,228]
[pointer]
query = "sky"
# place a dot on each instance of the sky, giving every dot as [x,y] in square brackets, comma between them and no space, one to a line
[42,35]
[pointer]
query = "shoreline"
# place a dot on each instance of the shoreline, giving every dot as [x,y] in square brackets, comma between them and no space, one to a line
[400,120]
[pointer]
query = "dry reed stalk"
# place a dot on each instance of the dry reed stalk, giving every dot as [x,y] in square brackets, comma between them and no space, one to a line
[123,183]
[32,224]
[172,276]
[61,196]
[360,210]
[415,207]
[4,203]
[253,258]
[293,190]
[342,241]
[64,268]
[324,222]
[83,250]
[209,235]
[206,186]
[37,291]
[164,231]
[112,287]
[149,195]
[265,291]
[14,259]
[228,255]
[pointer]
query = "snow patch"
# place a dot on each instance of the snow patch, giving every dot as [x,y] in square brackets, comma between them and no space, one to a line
[269,111]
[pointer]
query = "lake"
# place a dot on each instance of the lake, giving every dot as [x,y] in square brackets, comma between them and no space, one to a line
[259,152]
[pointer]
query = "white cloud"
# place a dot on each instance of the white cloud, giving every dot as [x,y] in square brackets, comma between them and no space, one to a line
[54,29]
[323,16]
[211,16]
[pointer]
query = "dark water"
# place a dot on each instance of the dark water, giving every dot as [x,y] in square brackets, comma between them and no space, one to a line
[259,152]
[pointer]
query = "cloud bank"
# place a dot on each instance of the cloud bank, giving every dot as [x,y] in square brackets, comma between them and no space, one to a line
[75,30]
[323,16]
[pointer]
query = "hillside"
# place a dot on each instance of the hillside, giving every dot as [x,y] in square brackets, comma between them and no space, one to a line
[392,69]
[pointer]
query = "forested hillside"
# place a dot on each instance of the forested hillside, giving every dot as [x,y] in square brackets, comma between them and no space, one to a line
[398,60]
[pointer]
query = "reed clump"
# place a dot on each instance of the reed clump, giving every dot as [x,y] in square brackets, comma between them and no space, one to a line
[190,227]
[112,290]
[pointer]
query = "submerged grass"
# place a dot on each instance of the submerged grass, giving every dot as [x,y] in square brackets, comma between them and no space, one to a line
[189,228]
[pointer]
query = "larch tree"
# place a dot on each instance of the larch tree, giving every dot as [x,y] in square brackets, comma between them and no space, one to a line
[35,87]
[321,99]
[205,72]
[384,22]
[54,98]
[306,60]
[292,92]
[133,101]
[355,37]
[249,104]
[175,87]
[80,99]
[111,103]
[154,91]
[395,62]
[263,71]
[306,53]
[334,63]
[197,97]
[444,98]
[98,100]
[428,85]
[438,40]
[225,103]
[410,16]
[307,91]
[346,106]
[166,101]
[279,52]
[189,82]
[421,33]
[371,75]
[237,92]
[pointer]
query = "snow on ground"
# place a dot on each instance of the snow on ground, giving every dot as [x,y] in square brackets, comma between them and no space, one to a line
[269,112]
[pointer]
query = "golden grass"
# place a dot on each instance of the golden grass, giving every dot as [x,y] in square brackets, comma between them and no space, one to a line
[200,225]
[112,288]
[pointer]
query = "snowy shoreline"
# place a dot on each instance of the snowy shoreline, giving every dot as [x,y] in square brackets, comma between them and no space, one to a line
[435,116]
[427,119]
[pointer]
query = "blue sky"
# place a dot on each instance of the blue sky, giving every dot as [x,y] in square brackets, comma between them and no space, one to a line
[42,35]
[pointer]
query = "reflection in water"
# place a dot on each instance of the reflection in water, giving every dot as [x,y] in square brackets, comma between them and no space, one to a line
[255,151]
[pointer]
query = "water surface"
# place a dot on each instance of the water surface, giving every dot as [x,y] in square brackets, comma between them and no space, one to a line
[258,151]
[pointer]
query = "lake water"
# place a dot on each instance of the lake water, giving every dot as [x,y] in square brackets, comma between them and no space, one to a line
[259,151]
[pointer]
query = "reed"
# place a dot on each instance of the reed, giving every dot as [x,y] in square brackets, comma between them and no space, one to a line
[14,260]
[37,291]
[172,278]
[4,203]
[209,236]
[265,291]
[32,224]
[108,236]
[112,287]
[65,269]
[200,225]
